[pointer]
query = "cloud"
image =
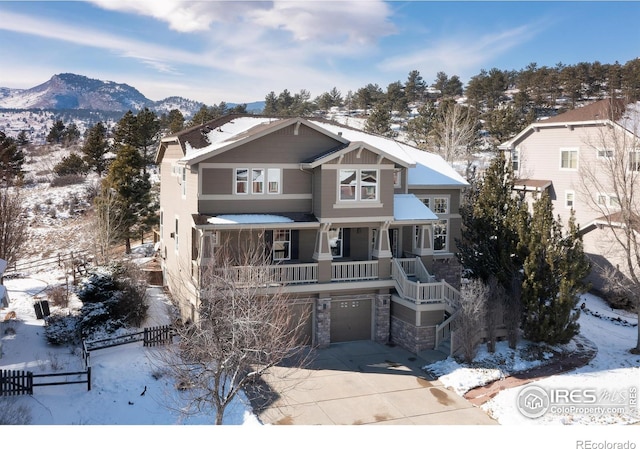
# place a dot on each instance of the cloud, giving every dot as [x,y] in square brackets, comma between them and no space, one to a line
[463,52]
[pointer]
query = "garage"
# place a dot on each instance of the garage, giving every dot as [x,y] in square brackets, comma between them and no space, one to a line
[304,311]
[350,319]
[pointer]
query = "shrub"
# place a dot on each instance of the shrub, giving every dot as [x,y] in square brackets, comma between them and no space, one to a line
[58,296]
[62,328]
[71,165]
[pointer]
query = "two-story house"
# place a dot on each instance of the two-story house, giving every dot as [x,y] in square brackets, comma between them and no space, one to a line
[574,156]
[361,229]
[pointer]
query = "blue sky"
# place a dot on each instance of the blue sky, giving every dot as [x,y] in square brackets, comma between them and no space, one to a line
[236,52]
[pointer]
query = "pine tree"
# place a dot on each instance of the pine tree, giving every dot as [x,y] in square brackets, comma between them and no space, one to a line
[148,130]
[11,159]
[379,121]
[553,272]
[489,247]
[415,87]
[95,148]
[133,192]
[56,133]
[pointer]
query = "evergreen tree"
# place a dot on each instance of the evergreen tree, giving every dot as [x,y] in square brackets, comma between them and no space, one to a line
[71,165]
[490,246]
[22,139]
[148,132]
[132,188]
[56,133]
[172,122]
[125,131]
[420,128]
[71,134]
[270,104]
[553,272]
[379,121]
[11,159]
[395,98]
[415,87]
[95,148]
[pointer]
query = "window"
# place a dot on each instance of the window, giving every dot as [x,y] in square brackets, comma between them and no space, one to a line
[242,181]
[440,235]
[257,180]
[569,199]
[175,235]
[273,176]
[335,241]
[602,200]
[184,182]
[515,159]
[569,159]
[358,185]
[634,160]
[281,244]
[439,205]
[262,180]
[604,154]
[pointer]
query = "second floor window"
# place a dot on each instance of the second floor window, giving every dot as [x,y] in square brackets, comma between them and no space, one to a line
[440,235]
[569,158]
[358,185]
[634,160]
[256,181]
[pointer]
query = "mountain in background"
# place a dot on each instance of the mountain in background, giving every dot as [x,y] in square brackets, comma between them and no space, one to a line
[68,91]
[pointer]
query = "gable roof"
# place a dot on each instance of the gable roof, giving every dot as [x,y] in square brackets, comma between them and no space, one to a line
[612,111]
[217,136]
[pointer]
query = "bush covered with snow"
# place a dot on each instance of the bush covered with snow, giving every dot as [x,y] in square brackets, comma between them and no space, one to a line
[113,297]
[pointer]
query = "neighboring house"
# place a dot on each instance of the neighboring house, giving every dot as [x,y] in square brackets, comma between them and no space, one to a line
[361,228]
[567,155]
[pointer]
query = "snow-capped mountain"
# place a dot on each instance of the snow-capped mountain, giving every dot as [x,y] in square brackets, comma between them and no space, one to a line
[68,91]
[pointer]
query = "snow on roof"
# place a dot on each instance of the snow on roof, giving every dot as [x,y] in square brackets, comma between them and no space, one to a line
[390,146]
[407,206]
[432,169]
[248,219]
[225,134]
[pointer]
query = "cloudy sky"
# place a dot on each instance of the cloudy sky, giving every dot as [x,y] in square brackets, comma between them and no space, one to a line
[236,51]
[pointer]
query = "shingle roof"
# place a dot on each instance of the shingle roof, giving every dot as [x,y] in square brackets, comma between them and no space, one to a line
[600,110]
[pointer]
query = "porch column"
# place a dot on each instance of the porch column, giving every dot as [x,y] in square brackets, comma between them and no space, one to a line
[423,245]
[322,253]
[382,251]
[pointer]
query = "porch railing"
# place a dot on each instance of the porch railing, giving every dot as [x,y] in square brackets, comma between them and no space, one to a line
[354,271]
[432,292]
[303,273]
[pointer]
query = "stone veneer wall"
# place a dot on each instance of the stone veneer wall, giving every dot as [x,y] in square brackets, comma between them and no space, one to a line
[448,269]
[323,322]
[411,337]
[382,313]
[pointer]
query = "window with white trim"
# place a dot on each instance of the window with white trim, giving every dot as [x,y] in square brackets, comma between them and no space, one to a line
[604,153]
[242,181]
[281,244]
[358,184]
[274,176]
[569,158]
[439,205]
[515,159]
[257,181]
[440,231]
[569,199]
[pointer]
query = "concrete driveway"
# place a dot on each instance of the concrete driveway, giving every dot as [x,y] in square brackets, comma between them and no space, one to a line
[364,383]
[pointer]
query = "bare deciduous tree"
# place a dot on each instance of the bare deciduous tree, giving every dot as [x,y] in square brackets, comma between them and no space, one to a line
[609,185]
[13,225]
[107,224]
[454,132]
[244,327]
[470,317]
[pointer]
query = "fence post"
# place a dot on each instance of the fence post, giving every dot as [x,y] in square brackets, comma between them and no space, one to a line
[88,378]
